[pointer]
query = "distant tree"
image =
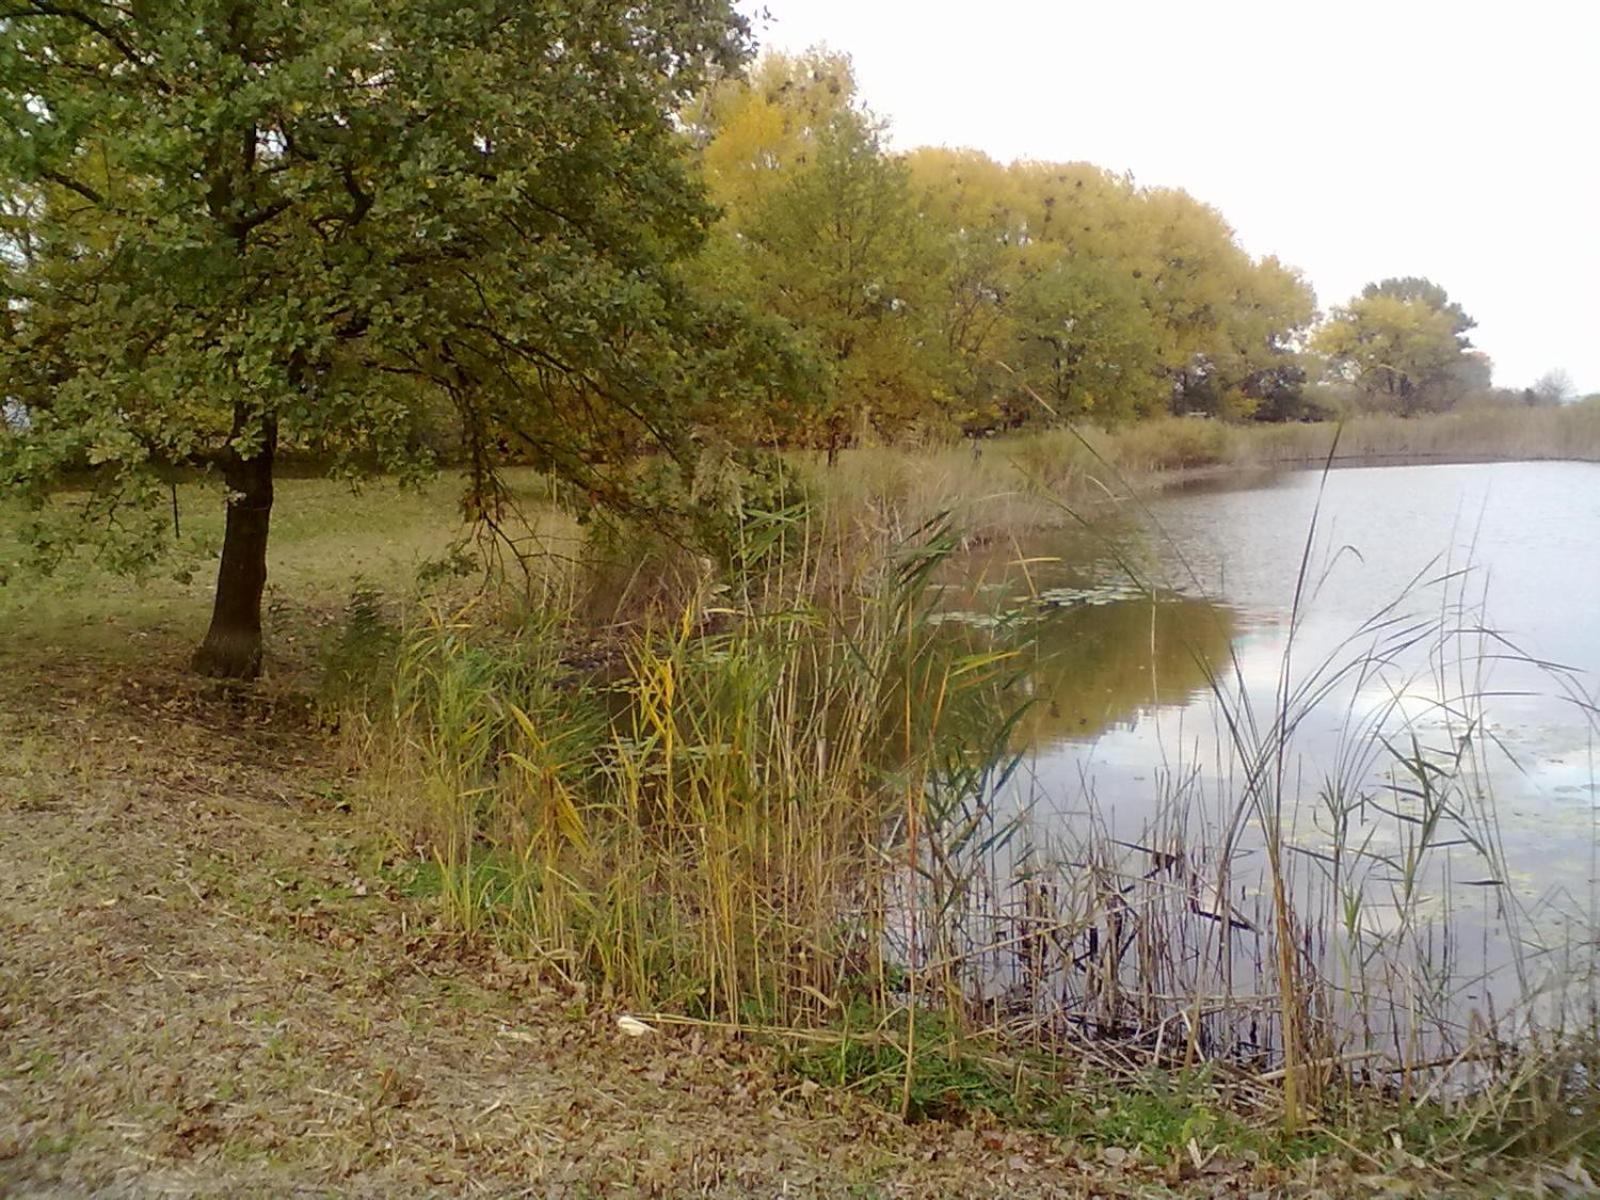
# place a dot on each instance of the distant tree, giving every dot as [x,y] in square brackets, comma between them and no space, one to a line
[975,231]
[1472,376]
[942,287]
[1414,289]
[1250,360]
[1402,344]
[1280,394]
[1086,344]
[1553,387]
[1223,318]
[838,251]
[1119,300]
[232,227]
[820,229]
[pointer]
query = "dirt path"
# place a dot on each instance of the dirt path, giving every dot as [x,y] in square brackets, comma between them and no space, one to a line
[201,995]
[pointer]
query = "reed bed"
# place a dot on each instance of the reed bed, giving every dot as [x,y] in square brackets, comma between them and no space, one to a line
[1474,433]
[999,491]
[792,801]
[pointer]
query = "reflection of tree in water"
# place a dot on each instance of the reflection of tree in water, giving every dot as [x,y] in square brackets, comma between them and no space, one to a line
[1099,665]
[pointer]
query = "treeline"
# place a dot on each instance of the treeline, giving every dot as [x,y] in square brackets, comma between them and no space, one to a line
[941,290]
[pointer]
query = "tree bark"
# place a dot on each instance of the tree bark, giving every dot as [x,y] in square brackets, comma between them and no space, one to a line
[232,645]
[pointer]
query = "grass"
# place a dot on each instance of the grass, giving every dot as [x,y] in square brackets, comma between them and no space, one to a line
[1154,1111]
[327,540]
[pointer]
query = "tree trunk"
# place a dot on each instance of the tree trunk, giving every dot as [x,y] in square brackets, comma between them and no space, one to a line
[232,646]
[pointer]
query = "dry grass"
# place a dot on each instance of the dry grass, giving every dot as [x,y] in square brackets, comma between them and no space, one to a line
[1471,434]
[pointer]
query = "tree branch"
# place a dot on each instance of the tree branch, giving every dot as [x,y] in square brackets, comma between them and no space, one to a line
[72,185]
[261,216]
[38,9]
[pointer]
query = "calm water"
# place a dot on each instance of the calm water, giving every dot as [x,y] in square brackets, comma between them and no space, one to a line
[1483,566]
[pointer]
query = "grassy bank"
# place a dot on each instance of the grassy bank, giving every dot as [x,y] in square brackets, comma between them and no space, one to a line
[767,803]
[327,540]
[783,813]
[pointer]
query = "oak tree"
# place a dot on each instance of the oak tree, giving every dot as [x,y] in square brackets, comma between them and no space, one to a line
[235,228]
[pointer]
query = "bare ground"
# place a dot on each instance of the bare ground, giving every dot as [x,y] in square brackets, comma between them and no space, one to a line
[206,990]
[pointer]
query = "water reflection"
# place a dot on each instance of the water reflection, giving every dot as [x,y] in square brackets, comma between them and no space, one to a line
[1435,788]
[1095,667]
[1496,563]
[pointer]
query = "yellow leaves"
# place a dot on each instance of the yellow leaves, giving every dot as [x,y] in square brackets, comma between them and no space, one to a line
[754,130]
[656,682]
[746,155]
[559,807]
[966,188]
[918,278]
[1391,345]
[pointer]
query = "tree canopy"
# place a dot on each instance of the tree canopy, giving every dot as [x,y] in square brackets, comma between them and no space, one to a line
[942,288]
[232,227]
[819,228]
[1402,344]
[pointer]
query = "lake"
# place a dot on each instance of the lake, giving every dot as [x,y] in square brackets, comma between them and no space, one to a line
[1389,670]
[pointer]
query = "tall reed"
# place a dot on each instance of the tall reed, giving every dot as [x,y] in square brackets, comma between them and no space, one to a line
[713,829]
[794,801]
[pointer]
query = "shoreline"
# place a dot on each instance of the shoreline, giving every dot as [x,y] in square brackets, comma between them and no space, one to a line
[1182,477]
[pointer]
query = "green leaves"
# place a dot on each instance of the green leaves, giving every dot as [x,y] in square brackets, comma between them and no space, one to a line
[373,224]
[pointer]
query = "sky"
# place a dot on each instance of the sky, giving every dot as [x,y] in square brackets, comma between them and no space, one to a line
[1355,140]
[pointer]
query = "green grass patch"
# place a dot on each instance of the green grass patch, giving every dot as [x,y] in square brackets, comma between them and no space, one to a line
[964,1080]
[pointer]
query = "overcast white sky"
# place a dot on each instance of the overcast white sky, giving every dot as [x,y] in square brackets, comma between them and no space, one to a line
[1355,140]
